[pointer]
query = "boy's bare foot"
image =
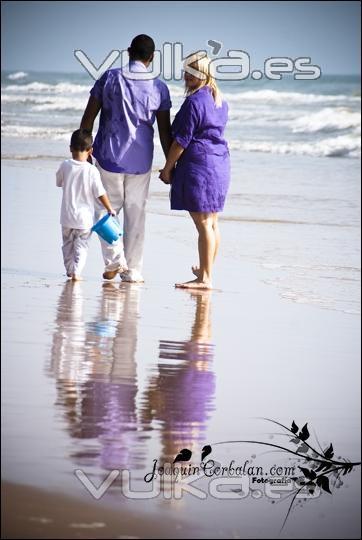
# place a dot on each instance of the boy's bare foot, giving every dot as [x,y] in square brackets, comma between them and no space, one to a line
[76,278]
[195,284]
[111,274]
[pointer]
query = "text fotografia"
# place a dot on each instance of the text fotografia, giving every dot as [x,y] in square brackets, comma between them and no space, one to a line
[210,468]
[170,63]
[319,474]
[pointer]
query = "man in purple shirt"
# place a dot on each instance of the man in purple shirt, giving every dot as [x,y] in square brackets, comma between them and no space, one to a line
[123,147]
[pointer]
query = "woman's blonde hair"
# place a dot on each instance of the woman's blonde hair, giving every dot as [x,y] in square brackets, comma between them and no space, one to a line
[200,62]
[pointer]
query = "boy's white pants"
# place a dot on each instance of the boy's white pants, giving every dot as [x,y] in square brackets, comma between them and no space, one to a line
[128,192]
[75,249]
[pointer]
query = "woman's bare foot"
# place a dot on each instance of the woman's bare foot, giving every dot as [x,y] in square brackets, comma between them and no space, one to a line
[76,278]
[194,284]
[196,271]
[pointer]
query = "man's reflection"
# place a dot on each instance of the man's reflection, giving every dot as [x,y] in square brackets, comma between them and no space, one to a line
[181,395]
[94,364]
[95,368]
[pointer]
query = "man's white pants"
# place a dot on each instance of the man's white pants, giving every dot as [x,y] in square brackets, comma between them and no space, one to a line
[75,249]
[128,192]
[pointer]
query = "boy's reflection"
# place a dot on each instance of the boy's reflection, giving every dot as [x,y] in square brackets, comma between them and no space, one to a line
[95,368]
[181,395]
[94,364]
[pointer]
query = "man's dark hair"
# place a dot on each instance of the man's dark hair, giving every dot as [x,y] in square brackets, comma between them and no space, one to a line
[142,48]
[81,140]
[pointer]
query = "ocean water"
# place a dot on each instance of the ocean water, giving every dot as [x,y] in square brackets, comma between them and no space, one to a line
[314,118]
[294,200]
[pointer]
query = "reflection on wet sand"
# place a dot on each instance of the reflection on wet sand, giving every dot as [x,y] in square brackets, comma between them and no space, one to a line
[181,396]
[94,364]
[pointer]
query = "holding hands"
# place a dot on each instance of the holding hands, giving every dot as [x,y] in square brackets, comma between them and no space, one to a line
[166,175]
[172,157]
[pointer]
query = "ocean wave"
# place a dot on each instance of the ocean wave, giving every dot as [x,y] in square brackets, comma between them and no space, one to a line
[59,88]
[38,132]
[70,88]
[177,91]
[11,98]
[274,96]
[267,116]
[22,157]
[61,104]
[328,119]
[342,146]
[47,103]
[17,75]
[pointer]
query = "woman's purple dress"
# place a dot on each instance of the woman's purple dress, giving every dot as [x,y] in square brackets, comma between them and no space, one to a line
[201,178]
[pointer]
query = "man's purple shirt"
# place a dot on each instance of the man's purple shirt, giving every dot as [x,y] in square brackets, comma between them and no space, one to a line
[124,141]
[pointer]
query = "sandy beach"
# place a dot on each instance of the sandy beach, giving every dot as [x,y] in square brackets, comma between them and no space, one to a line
[35,513]
[106,376]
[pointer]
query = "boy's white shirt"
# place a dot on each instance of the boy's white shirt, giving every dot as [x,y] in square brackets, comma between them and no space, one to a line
[82,185]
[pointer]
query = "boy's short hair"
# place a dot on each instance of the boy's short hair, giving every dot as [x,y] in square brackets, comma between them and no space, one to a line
[81,140]
[142,47]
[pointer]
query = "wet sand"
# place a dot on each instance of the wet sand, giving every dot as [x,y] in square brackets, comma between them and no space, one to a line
[102,376]
[29,512]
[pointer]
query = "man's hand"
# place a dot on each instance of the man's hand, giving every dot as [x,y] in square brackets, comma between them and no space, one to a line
[91,111]
[165,176]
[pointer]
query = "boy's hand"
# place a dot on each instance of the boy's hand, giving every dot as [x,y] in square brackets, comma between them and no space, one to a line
[111,212]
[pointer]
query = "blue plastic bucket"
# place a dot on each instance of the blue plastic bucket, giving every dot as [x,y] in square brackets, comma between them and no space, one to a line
[106,329]
[108,228]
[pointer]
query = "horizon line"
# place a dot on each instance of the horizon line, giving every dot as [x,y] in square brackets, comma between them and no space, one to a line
[79,72]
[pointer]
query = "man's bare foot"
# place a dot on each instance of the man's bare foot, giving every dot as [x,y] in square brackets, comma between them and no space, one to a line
[195,284]
[132,276]
[196,271]
[76,278]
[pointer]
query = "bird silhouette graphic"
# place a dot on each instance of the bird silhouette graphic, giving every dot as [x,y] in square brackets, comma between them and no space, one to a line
[205,451]
[184,455]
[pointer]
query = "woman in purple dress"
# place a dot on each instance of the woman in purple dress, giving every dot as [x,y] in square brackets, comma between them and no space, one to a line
[198,164]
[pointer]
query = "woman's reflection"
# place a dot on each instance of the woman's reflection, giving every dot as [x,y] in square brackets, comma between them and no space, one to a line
[181,395]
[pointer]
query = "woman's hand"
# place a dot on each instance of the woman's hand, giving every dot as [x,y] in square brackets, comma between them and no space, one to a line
[165,176]
[173,156]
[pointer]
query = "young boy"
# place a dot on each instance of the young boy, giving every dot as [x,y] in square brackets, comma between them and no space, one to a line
[82,186]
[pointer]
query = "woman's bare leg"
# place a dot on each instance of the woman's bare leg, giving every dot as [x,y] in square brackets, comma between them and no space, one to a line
[207,245]
[217,234]
[215,226]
